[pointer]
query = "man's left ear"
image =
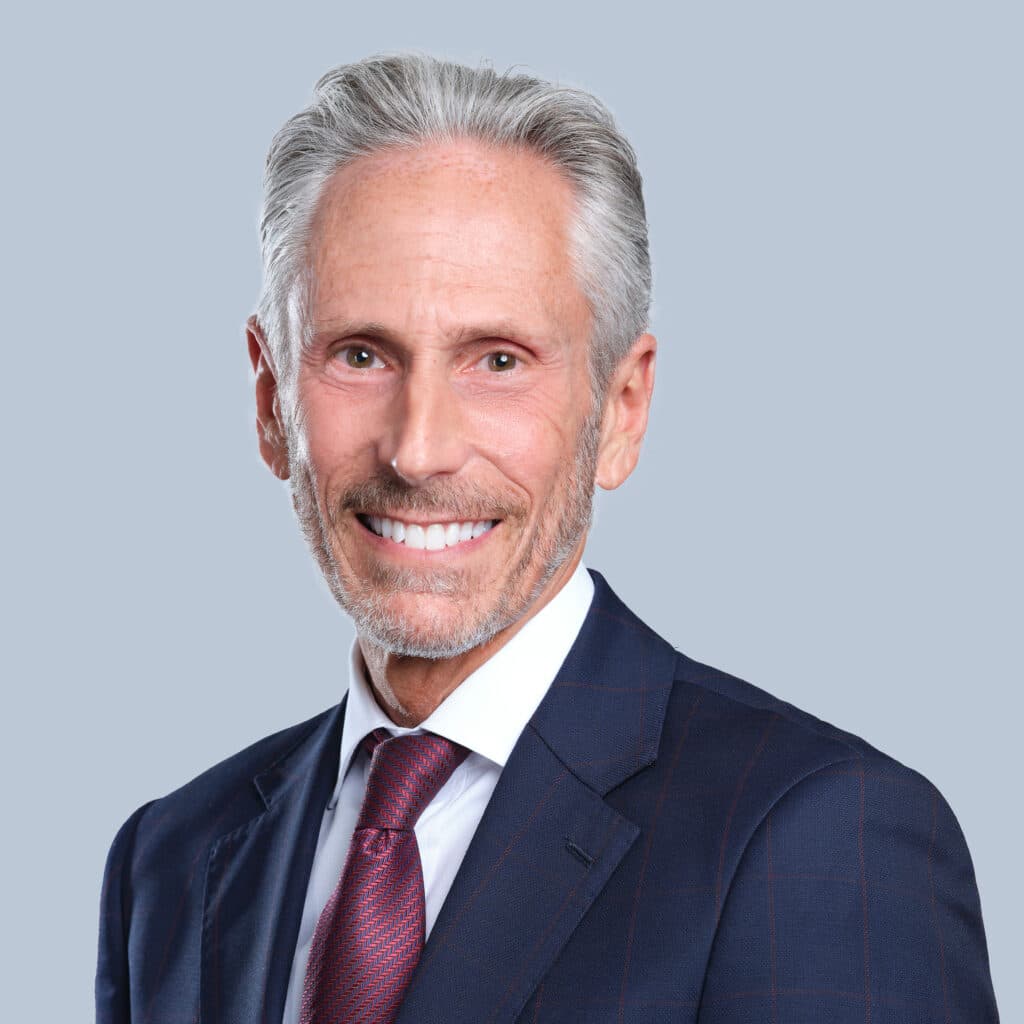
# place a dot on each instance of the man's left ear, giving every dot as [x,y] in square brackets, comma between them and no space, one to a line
[627,403]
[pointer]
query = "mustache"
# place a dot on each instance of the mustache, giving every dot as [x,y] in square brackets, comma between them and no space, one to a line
[468,501]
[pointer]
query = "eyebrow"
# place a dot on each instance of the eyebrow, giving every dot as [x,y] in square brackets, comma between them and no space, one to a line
[340,327]
[501,328]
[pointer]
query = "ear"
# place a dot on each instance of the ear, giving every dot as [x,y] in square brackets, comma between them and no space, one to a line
[269,422]
[626,406]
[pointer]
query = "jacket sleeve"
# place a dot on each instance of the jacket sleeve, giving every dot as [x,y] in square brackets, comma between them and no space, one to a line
[113,1003]
[855,900]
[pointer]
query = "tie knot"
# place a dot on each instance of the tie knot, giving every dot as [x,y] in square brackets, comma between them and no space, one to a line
[405,774]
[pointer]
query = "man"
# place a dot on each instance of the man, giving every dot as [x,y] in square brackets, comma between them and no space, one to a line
[528,807]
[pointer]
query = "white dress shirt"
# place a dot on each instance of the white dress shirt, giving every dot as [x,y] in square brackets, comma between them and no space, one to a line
[485,713]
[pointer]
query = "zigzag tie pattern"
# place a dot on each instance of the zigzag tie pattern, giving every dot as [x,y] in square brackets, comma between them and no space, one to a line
[370,935]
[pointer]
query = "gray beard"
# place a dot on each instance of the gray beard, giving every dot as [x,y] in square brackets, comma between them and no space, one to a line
[380,626]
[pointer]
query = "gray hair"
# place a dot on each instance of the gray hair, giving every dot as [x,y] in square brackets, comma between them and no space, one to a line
[407,100]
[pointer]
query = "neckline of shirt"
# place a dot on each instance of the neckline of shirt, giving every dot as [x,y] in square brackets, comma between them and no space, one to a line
[490,708]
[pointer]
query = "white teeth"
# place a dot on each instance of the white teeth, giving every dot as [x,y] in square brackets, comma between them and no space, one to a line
[432,537]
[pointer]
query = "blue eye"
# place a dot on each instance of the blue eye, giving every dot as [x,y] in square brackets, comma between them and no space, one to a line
[499,361]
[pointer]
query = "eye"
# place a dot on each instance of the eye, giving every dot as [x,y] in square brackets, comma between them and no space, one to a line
[359,357]
[499,361]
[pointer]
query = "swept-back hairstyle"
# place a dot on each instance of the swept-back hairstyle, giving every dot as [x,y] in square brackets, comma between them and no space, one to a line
[408,100]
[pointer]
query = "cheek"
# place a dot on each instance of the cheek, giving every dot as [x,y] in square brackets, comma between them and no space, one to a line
[530,440]
[337,435]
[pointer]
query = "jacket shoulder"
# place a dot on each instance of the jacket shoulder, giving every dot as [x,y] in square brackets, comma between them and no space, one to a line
[217,798]
[753,750]
[739,692]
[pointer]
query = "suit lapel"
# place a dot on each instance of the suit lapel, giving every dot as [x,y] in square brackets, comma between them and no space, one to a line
[548,842]
[256,882]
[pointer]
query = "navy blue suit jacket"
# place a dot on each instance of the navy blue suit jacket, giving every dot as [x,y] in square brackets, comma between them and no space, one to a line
[666,843]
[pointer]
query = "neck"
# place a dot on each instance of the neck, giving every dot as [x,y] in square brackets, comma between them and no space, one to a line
[410,689]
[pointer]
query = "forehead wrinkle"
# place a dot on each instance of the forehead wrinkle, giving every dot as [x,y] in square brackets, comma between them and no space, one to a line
[337,269]
[439,257]
[398,306]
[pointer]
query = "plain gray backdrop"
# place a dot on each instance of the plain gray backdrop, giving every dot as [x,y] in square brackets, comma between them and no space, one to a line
[829,503]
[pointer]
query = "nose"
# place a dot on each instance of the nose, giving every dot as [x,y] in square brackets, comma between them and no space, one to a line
[426,434]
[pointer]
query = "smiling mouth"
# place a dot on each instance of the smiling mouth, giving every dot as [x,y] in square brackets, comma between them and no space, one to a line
[426,536]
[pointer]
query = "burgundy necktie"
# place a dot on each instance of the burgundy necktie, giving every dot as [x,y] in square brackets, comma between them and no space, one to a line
[370,935]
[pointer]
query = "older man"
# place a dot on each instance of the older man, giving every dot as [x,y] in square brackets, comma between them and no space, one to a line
[528,806]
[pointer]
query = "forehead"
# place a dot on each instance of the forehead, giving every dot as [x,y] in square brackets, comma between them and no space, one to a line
[447,230]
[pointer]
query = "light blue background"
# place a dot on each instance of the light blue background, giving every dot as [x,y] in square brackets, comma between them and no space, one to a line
[832,469]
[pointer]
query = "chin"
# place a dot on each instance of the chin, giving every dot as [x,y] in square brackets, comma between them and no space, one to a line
[418,624]
[421,636]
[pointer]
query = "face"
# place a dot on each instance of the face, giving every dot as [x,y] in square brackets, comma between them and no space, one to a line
[445,447]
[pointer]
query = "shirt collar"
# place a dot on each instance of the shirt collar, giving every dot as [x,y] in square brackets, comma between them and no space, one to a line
[492,705]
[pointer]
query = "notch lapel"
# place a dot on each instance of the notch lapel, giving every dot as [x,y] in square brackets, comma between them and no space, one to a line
[256,883]
[548,842]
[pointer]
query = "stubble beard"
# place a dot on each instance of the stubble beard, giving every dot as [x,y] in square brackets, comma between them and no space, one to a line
[441,636]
